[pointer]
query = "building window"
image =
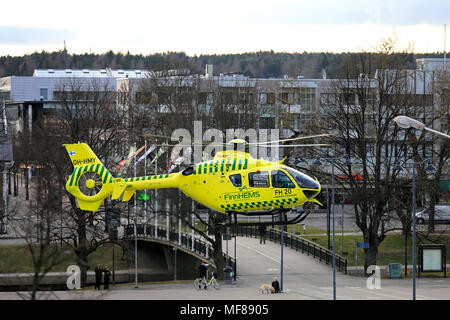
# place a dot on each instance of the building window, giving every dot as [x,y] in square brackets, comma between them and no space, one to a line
[306,98]
[267,122]
[284,97]
[270,98]
[43,94]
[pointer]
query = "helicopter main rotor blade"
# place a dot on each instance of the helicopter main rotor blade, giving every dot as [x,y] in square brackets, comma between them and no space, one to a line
[300,145]
[196,143]
[291,139]
[260,145]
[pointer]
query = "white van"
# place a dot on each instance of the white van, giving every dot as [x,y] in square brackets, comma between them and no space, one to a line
[441,215]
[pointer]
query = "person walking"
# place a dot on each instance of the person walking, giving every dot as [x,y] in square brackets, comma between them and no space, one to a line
[107,276]
[98,276]
[262,234]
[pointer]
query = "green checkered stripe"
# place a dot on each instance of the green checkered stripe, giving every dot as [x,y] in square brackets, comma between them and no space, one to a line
[259,204]
[147,178]
[221,166]
[97,168]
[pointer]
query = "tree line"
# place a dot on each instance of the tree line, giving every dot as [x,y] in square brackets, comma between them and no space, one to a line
[262,64]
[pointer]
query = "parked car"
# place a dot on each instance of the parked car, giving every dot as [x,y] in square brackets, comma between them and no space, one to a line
[441,215]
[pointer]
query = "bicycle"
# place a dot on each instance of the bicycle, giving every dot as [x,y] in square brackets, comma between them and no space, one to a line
[200,283]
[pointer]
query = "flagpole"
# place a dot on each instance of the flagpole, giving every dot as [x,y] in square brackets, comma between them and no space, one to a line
[145,191]
[156,197]
[135,232]
[167,207]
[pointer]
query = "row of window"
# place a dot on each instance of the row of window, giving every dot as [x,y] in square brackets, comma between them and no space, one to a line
[260,179]
[304,97]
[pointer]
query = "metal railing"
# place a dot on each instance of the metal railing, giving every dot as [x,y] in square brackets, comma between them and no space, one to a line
[294,242]
[185,240]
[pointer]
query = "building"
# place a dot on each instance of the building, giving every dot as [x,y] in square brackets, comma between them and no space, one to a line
[29,98]
[289,104]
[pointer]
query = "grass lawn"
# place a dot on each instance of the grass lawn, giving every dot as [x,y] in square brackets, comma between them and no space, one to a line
[391,250]
[17,258]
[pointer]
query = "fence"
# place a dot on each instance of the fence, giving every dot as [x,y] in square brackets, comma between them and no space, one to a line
[294,242]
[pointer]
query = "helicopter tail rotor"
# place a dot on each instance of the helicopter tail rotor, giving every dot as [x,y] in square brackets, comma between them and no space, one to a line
[90,181]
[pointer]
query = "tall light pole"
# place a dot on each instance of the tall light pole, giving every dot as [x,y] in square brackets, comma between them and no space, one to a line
[334,240]
[282,245]
[428,169]
[175,264]
[318,163]
[407,122]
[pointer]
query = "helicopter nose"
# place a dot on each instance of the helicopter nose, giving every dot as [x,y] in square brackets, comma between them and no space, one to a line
[311,193]
[314,191]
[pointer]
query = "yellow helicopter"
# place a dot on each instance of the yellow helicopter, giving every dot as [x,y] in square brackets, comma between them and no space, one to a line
[233,182]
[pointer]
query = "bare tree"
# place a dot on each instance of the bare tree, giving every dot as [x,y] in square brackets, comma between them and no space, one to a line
[33,218]
[359,113]
[87,112]
[441,146]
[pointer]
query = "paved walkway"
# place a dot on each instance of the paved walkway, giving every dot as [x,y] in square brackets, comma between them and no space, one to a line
[304,279]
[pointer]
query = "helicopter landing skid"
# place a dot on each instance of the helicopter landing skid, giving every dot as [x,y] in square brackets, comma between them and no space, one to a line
[284,221]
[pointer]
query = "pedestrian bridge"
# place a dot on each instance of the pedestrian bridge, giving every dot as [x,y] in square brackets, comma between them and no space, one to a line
[165,253]
[171,253]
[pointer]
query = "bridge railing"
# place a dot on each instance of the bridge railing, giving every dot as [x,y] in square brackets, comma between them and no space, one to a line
[294,242]
[183,239]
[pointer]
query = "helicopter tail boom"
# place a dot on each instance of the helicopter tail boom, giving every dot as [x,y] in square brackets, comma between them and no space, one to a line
[90,181]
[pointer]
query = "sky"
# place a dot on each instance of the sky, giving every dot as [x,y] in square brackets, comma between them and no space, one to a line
[217,27]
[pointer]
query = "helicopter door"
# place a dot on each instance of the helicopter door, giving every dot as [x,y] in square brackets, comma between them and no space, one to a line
[282,183]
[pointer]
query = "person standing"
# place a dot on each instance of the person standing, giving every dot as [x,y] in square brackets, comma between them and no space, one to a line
[107,277]
[262,234]
[98,276]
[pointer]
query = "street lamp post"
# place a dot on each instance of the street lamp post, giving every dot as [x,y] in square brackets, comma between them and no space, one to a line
[407,122]
[333,160]
[334,241]
[135,236]
[282,245]
[414,231]
[428,169]
[175,264]
[328,217]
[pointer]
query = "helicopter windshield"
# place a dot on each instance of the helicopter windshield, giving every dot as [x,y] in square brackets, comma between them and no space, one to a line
[302,179]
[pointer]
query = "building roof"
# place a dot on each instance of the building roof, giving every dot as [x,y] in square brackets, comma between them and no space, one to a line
[91,73]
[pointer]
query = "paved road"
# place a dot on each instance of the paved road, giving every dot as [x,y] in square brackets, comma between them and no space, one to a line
[304,279]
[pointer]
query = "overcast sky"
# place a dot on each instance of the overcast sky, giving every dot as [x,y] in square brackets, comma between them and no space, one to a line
[231,26]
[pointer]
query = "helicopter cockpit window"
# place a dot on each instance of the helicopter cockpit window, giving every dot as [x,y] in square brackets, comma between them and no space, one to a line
[188,171]
[302,179]
[281,180]
[236,180]
[258,179]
